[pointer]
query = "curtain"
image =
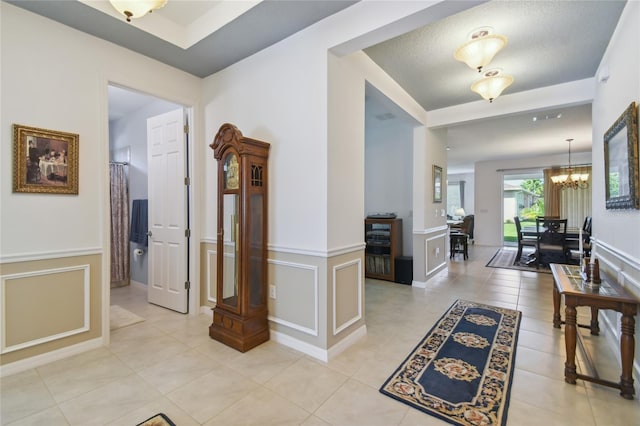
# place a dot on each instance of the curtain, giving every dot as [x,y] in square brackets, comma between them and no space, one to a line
[551,194]
[575,204]
[119,226]
[571,204]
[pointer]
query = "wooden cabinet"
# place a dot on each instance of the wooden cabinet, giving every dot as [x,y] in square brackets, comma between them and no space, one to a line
[384,243]
[240,314]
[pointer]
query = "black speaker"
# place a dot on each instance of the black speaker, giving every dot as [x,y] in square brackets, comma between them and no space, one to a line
[404,269]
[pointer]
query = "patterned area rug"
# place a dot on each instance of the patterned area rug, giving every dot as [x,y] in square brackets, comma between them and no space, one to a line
[119,317]
[159,419]
[461,371]
[505,257]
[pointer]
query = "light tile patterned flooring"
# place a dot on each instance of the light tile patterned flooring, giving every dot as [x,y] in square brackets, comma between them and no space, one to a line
[169,364]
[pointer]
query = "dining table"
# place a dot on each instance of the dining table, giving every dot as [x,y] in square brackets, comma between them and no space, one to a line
[573,234]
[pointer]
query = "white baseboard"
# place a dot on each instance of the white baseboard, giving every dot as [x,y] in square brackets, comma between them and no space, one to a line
[419,284]
[46,358]
[321,354]
[138,284]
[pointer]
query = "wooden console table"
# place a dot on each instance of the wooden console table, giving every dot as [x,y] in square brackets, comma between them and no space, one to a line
[608,295]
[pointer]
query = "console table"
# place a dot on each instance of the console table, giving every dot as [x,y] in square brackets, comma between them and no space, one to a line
[608,295]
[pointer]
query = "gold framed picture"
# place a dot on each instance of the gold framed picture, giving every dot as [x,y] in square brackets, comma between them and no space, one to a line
[45,161]
[437,184]
[621,171]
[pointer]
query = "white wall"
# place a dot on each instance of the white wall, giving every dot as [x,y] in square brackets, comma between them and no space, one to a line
[389,175]
[622,60]
[489,187]
[279,95]
[55,77]
[617,231]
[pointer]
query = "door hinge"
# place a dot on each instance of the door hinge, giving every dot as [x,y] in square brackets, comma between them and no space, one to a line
[187,181]
[187,285]
[186,128]
[187,233]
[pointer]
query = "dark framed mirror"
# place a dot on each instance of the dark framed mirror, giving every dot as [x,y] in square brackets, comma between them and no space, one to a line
[622,188]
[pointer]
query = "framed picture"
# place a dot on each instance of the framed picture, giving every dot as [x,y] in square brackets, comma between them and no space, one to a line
[437,184]
[45,161]
[622,188]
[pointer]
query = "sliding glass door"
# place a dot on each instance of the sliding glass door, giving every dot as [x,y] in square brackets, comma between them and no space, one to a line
[522,196]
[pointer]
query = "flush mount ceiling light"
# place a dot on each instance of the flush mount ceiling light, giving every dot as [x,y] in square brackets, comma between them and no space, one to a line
[569,179]
[481,48]
[491,85]
[136,8]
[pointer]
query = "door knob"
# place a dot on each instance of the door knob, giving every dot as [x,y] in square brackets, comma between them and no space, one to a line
[149,234]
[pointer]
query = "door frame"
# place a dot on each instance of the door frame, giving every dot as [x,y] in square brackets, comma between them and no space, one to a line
[193,262]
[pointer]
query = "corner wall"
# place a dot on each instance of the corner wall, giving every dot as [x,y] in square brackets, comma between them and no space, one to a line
[308,104]
[617,232]
[65,89]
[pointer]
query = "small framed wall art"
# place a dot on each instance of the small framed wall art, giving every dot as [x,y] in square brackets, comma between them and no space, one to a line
[437,184]
[45,161]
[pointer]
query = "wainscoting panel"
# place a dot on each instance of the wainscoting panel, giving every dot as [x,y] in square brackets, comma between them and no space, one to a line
[296,290]
[435,249]
[347,294]
[45,305]
[210,276]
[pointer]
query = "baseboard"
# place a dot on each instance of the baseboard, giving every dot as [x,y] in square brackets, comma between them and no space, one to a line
[321,354]
[138,284]
[46,358]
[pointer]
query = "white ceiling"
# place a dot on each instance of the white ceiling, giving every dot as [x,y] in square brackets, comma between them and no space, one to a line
[550,42]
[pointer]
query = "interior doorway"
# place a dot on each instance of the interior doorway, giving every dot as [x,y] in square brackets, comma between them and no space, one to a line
[128,114]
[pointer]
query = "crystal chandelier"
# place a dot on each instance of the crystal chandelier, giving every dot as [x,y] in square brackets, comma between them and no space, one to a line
[568,179]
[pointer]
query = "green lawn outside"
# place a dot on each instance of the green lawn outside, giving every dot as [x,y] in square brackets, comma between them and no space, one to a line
[510,234]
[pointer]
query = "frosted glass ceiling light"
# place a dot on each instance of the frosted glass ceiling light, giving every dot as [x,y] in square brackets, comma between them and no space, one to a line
[491,85]
[136,8]
[481,48]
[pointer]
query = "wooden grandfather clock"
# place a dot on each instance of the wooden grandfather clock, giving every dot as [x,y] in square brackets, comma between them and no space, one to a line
[240,315]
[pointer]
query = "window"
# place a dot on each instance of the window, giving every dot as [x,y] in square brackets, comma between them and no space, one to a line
[455,197]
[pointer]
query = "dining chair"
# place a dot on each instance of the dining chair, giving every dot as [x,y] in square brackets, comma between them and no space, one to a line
[551,241]
[574,244]
[522,240]
[467,226]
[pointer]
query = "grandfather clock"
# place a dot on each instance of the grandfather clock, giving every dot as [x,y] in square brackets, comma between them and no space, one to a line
[240,315]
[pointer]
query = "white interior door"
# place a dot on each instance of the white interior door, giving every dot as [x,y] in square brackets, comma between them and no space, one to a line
[167,211]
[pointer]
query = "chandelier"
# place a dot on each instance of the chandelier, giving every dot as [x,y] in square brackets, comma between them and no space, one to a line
[570,180]
[136,8]
[491,85]
[481,48]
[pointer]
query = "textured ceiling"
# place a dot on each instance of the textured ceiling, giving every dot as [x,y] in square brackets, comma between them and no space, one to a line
[549,42]
[259,27]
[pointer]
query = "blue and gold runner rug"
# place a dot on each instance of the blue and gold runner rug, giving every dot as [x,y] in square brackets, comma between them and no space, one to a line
[462,369]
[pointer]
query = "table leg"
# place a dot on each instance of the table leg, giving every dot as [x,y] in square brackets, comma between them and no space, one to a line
[557,320]
[570,331]
[627,345]
[595,325]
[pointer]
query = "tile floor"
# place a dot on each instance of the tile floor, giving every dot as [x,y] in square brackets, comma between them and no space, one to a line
[169,364]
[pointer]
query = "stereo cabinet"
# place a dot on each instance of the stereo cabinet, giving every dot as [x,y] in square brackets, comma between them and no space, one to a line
[383,239]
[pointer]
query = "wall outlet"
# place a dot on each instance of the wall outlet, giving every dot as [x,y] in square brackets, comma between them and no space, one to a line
[272,291]
[437,251]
